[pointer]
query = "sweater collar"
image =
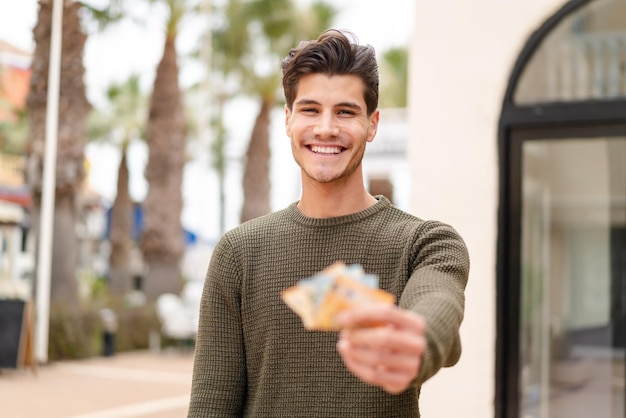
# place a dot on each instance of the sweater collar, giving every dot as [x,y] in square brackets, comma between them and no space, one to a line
[298,217]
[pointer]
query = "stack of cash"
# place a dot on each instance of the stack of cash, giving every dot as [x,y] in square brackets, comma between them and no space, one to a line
[319,299]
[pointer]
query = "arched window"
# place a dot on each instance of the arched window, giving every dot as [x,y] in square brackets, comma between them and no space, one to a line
[561,275]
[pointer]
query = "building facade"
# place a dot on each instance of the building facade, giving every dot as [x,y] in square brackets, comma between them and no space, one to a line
[517,115]
[15,259]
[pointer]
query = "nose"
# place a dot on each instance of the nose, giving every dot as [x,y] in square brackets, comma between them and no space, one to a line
[326,126]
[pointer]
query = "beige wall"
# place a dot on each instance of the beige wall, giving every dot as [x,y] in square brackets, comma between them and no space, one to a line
[461,57]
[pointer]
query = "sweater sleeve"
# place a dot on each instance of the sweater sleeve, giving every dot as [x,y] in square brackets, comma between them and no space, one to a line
[435,290]
[219,372]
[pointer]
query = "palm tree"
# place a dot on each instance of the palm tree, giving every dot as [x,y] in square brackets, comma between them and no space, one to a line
[162,240]
[247,51]
[73,111]
[394,77]
[393,93]
[221,50]
[219,158]
[122,123]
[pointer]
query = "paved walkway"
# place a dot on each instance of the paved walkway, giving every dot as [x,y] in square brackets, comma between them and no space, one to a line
[136,384]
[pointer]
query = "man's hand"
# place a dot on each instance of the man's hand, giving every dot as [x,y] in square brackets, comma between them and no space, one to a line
[383,345]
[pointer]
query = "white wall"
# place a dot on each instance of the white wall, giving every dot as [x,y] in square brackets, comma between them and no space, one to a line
[461,57]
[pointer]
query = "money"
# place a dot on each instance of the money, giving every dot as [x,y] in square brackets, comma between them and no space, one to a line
[319,299]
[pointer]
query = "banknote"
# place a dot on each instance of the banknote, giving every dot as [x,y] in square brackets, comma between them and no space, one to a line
[319,299]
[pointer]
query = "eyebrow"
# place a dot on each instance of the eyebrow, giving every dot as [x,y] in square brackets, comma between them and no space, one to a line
[305,102]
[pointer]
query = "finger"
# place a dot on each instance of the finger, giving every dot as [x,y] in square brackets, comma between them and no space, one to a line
[391,379]
[375,315]
[388,360]
[386,339]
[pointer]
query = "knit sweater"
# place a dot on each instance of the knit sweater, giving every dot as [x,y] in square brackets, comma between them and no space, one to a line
[253,356]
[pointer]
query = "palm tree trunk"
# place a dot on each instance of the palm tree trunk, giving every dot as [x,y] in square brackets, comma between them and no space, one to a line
[256,177]
[121,232]
[162,238]
[219,155]
[73,111]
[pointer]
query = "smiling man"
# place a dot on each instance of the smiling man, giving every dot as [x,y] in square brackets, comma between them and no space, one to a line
[253,356]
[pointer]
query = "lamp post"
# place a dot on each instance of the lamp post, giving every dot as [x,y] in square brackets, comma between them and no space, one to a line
[44,261]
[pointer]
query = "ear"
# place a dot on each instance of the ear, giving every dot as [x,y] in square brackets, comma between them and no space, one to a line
[373,128]
[287,125]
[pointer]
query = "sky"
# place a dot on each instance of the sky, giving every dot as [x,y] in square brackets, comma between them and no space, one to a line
[136,47]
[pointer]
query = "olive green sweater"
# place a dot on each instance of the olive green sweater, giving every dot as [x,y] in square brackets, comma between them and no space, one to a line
[253,356]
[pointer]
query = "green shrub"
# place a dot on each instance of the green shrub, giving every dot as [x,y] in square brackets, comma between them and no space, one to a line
[78,333]
[134,327]
[73,333]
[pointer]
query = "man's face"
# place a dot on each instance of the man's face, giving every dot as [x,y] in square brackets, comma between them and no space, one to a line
[329,128]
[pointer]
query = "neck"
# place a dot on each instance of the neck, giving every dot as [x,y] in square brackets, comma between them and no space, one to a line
[331,200]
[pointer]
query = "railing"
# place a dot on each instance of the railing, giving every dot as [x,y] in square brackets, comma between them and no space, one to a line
[587,66]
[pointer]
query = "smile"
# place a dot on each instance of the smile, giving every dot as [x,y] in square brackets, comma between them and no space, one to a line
[329,150]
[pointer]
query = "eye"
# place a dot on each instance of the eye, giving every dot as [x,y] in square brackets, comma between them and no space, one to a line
[346,112]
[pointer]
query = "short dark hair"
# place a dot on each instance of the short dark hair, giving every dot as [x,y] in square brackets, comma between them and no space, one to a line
[333,53]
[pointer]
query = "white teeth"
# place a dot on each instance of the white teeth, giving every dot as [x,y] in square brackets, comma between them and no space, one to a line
[325,150]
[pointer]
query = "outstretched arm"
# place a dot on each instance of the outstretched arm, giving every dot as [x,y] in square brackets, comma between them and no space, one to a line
[396,346]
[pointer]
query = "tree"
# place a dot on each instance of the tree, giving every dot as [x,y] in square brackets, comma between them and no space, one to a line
[121,123]
[222,47]
[248,48]
[394,78]
[73,111]
[162,240]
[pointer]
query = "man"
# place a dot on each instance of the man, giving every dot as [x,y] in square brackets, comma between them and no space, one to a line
[253,356]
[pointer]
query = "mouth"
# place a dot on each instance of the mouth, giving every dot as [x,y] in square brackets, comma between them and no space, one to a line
[326,150]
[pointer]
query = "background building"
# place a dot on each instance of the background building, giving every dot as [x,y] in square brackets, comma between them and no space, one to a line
[518,139]
[14,78]
[15,258]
